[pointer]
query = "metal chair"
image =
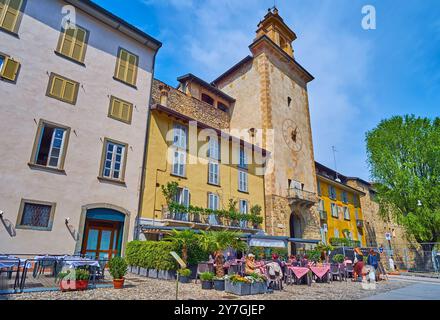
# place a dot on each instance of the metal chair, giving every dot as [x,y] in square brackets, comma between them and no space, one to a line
[349,269]
[343,270]
[335,272]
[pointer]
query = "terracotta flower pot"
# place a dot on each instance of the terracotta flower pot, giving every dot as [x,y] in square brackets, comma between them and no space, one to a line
[118,283]
[71,285]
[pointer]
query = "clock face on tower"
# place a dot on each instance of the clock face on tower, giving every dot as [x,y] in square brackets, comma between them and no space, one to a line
[292,135]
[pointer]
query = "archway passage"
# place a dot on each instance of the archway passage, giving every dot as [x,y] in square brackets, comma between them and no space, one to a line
[296,231]
[103,233]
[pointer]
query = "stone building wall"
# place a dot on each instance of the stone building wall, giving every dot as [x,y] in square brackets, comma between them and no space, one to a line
[192,107]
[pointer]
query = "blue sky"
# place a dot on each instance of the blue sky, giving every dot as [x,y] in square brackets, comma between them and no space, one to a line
[361,76]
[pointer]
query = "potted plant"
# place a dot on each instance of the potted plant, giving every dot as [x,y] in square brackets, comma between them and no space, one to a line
[255,216]
[206,279]
[238,285]
[184,275]
[219,283]
[74,280]
[338,258]
[118,269]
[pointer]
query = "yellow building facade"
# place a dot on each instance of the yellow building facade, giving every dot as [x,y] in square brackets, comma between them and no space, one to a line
[182,132]
[339,208]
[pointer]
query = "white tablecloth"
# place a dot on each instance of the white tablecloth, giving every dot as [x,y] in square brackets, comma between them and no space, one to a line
[10,262]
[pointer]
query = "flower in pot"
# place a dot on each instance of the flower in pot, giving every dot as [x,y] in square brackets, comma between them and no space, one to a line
[238,285]
[72,280]
[184,275]
[206,279]
[118,269]
[219,283]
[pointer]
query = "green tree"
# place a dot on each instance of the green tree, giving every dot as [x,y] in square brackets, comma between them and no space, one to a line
[218,241]
[169,191]
[404,159]
[184,239]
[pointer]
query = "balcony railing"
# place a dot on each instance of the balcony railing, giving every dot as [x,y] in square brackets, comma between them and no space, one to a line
[301,195]
[204,220]
[360,223]
[323,215]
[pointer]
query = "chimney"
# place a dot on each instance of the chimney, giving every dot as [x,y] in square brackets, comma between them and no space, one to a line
[164,92]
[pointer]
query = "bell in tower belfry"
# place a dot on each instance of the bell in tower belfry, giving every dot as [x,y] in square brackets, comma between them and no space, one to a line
[275,29]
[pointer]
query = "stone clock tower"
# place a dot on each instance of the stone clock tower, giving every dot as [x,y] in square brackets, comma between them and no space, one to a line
[270,88]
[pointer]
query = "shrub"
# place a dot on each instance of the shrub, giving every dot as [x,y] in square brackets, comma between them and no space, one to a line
[206,276]
[184,272]
[117,267]
[338,258]
[78,275]
[152,254]
[314,255]
[339,242]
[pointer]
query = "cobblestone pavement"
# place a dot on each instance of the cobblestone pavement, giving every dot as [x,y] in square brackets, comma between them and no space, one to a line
[138,288]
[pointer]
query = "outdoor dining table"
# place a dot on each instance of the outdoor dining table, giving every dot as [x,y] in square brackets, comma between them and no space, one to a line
[320,272]
[7,262]
[299,272]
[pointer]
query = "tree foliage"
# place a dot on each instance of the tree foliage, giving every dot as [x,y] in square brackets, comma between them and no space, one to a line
[404,159]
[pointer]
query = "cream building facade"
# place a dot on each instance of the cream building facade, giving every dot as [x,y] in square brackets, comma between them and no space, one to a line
[73,121]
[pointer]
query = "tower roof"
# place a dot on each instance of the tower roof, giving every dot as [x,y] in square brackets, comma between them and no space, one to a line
[272,20]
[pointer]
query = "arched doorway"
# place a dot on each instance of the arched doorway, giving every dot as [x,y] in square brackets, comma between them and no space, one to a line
[296,230]
[103,233]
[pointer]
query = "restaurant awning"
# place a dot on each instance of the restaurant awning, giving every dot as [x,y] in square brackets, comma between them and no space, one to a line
[297,240]
[267,241]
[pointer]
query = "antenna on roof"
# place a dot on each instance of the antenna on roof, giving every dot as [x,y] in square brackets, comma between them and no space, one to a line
[334,158]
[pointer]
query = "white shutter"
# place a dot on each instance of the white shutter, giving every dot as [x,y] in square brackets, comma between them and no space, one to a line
[186,195]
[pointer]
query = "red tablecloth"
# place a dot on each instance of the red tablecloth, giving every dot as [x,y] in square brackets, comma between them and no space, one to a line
[299,271]
[320,272]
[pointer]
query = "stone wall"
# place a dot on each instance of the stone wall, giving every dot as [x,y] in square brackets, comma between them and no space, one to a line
[192,107]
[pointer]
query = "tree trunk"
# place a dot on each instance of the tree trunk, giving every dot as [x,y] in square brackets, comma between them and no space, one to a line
[219,265]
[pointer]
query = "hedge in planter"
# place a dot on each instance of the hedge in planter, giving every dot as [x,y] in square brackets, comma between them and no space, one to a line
[154,256]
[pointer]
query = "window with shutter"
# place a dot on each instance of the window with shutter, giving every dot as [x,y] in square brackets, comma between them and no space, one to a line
[120,110]
[73,43]
[62,88]
[126,67]
[9,14]
[8,68]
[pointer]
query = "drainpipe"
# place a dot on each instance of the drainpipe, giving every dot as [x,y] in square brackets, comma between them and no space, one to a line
[144,160]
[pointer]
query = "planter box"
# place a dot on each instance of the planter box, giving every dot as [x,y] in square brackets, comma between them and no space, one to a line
[71,285]
[143,272]
[239,289]
[207,285]
[166,275]
[134,270]
[183,279]
[219,285]
[152,273]
[258,288]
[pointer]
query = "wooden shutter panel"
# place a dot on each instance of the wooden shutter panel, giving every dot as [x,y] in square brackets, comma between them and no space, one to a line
[69,91]
[10,69]
[67,43]
[116,108]
[131,69]
[11,14]
[123,62]
[78,47]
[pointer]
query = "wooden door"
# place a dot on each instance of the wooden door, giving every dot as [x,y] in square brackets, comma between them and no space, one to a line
[101,240]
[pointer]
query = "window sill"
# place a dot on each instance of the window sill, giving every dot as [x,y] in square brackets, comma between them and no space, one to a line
[33,228]
[44,168]
[11,33]
[245,192]
[113,181]
[214,184]
[177,176]
[69,58]
[126,83]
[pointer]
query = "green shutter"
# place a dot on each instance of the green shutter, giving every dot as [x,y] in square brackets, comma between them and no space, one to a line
[69,91]
[120,110]
[78,47]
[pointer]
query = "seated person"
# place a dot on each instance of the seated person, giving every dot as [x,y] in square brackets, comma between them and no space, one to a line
[250,267]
